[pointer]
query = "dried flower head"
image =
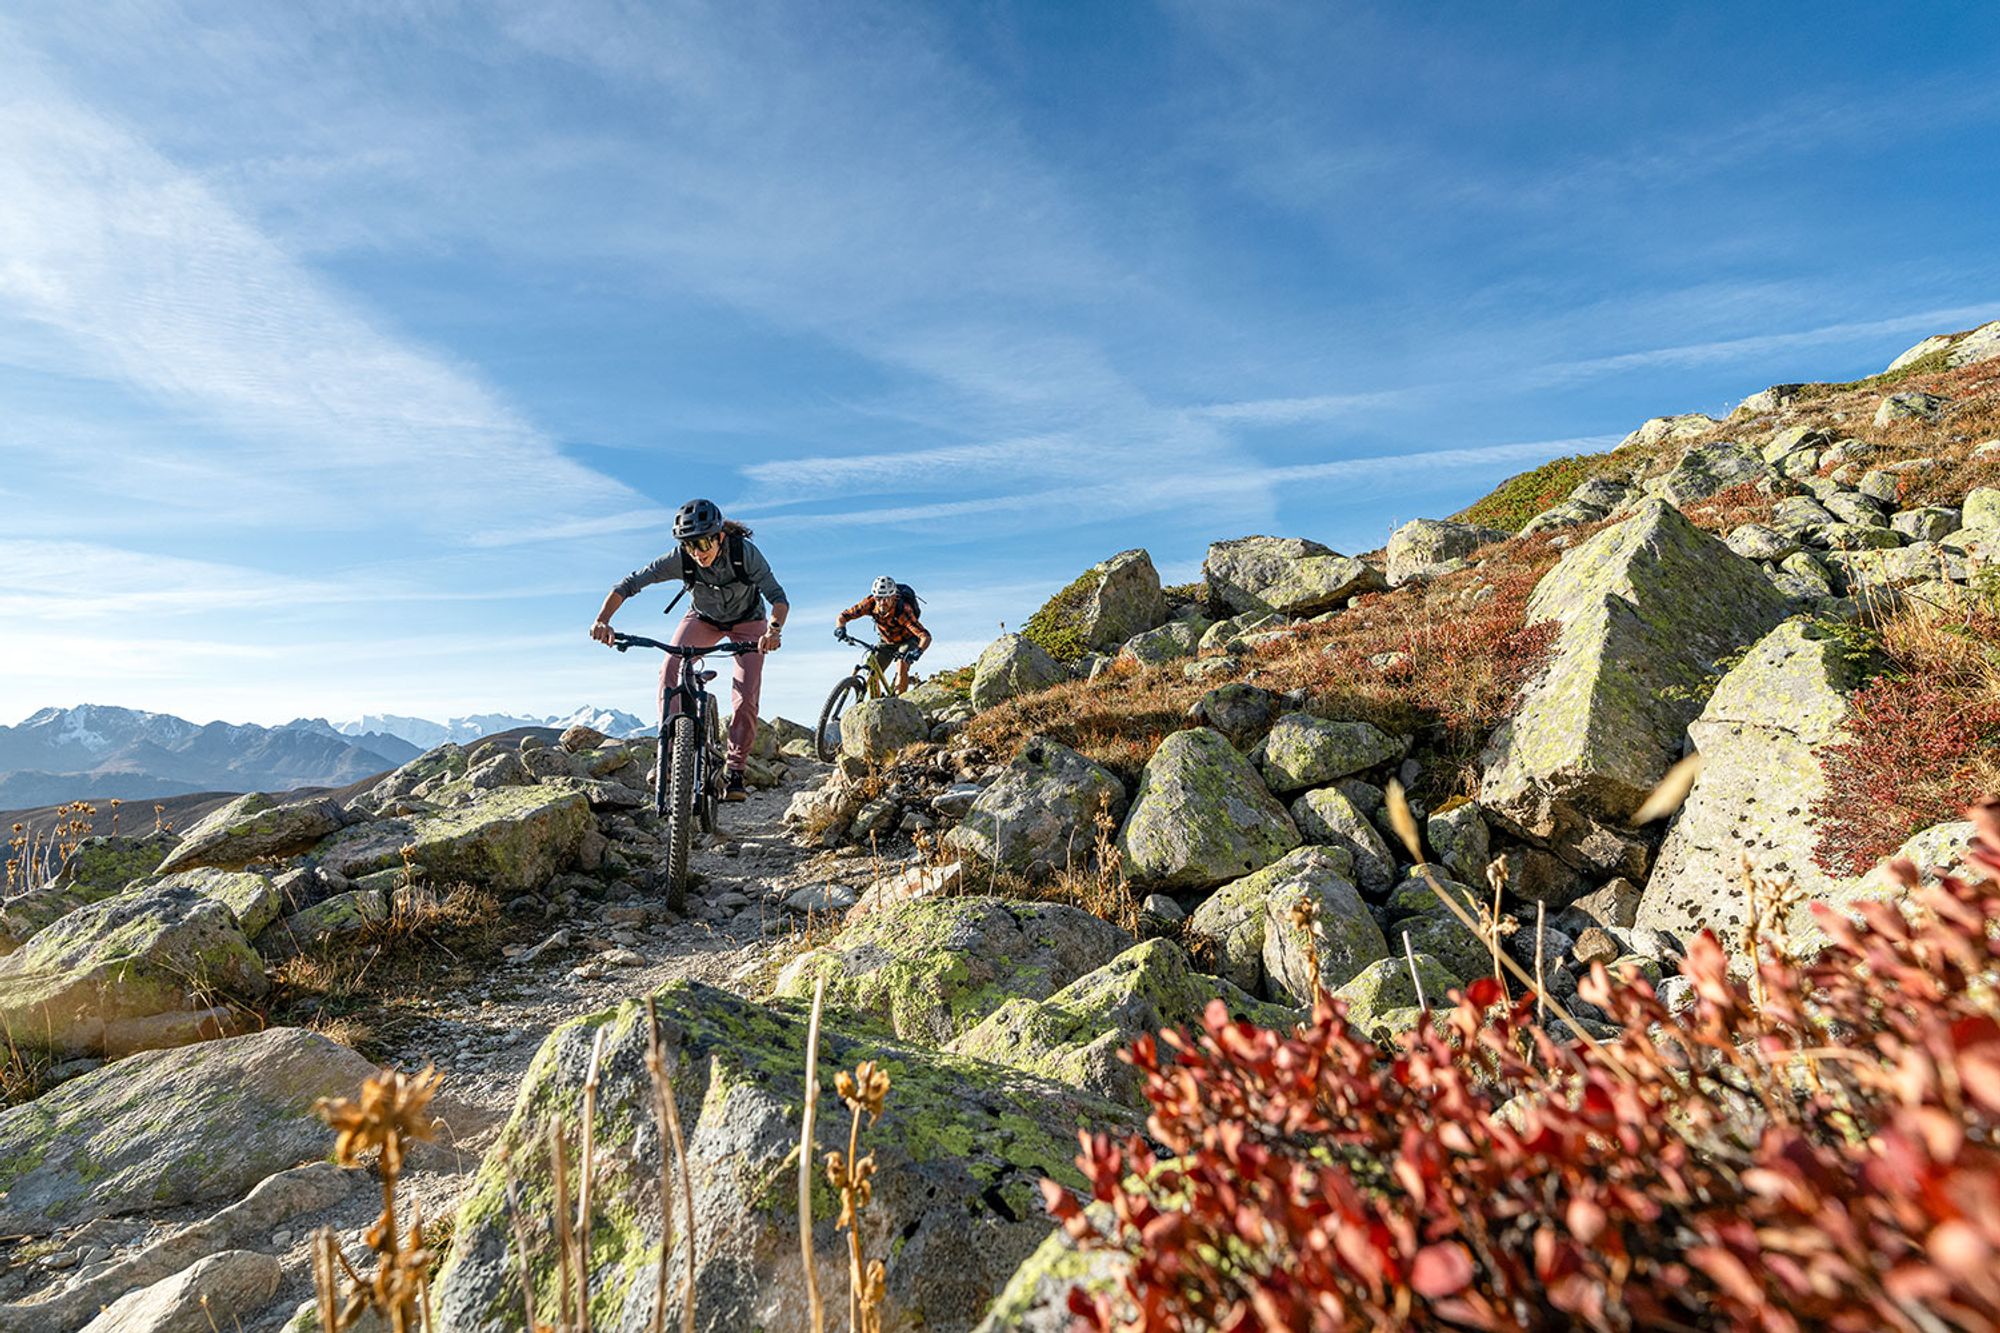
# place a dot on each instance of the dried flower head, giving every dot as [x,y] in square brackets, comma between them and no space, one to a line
[392,1107]
[863,1090]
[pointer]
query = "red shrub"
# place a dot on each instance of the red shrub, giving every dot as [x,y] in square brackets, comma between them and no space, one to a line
[1823,1158]
[1910,745]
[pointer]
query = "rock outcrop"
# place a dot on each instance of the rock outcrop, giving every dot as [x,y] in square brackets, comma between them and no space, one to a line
[960,1151]
[1426,546]
[1012,665]
[1201,816]
[931,969]
[1760,737]
[1041,809]
[251,828]
[875,729]
[1643,610]
[1290,576]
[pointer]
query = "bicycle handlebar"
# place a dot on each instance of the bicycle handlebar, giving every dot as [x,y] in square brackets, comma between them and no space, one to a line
[845,637]
[728,648]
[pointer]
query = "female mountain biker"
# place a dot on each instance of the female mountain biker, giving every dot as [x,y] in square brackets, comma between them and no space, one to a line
[893,607]
[730,580]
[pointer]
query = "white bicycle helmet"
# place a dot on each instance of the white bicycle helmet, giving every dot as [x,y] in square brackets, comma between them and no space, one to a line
[884,587]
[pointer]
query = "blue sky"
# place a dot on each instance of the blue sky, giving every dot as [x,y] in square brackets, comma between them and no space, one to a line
[348,352]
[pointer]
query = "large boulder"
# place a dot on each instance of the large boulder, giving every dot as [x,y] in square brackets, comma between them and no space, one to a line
[1169,643]
[244,892]
[1659,430]
[1459,836]
[1232,923]
[1106,605]
[163,1128]
[874,729]
[1041,808]
[1913,406]
[1711,468]
[101,867]
[1036,1298]
[434,766]
[1643,612]
[1342,938]
[1287,575]
[253,828]
[1241,712]
[1760,739]
[1012,665]
[1380,996]
[960,1150]
[1424,545]
[1075,1035]
[141,969]
[933,968]
[505,838]
[1303,751]
[1201,816]
[1328,818]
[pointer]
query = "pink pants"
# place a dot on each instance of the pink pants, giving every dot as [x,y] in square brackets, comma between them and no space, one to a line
[745,686]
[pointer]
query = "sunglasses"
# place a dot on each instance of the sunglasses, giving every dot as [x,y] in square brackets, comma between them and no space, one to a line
[707,543]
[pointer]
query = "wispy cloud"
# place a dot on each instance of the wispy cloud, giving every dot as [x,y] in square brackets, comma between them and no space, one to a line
[1286,411]
[157,285]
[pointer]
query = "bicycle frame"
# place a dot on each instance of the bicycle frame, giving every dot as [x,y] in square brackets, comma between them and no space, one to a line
[694,699]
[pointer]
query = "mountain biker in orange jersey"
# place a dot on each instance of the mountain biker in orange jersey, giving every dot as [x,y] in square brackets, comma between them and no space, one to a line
[730,580]
[893,607]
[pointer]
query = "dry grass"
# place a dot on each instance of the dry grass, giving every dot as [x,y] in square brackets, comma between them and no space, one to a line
[364,987]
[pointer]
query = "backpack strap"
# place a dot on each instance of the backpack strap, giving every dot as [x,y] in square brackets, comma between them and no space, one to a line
[737,565]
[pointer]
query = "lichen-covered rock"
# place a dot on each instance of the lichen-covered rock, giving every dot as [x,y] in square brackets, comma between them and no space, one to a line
[442,764]
[1201,816]
[1644,610]
[1329,819]
[931,969]
[1042,807]
[1106,605]
[960,1151]
[1657,429]
[1012,665]
[1243,713]
[1303,751]
[1913,406]
[163,1128]
[1344,937]
[1384,988]
[1929,523]
[1459,836]
[507,838]
[1230,921]
[101,867]
[253,828]
[875,729]
[1981,508]
[1760,738]
[89,981]
[1414,909]
[337,914]
[1287,575]
[1755,541]
[1075,1035]
[1169,643]
[1036,1298]
[243,892]
[1710,468]
[1421,546]
[1939,849]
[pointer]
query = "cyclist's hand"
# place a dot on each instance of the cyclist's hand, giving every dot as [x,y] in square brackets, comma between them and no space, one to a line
[771,640]
[601,631]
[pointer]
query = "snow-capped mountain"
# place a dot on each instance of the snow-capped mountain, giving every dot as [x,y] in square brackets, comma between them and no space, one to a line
[423,733]
[97,752]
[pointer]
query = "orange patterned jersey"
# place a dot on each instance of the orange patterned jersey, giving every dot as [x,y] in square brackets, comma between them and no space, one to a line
[898,624]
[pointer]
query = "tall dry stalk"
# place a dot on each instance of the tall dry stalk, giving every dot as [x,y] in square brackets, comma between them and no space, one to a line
[565,1256]
[583,1184]
[807,1158]
[668,1112]
[392,1110]
[1410,957]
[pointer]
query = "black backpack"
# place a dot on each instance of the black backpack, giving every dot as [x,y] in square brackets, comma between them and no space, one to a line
[732,546]
[907,597]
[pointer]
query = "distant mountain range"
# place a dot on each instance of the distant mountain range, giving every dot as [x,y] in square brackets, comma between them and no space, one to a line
[423,733]
[96,753]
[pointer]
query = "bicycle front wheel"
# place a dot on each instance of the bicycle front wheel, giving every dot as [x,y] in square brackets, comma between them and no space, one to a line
[681,798]
[827,739]
[711,772]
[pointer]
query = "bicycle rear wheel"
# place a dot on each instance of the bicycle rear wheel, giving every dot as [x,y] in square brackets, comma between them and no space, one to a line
[681,798]
[827,739]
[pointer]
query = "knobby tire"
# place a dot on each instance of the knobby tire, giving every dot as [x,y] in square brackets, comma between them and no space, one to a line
[681,798]
[826,740]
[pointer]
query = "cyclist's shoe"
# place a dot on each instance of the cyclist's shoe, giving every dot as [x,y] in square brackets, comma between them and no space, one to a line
[733,788]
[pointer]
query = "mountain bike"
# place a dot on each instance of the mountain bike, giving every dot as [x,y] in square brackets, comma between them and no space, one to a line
[868,680]
[688,781]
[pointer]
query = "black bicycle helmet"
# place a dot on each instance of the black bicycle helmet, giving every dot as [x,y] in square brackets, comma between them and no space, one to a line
[697,518]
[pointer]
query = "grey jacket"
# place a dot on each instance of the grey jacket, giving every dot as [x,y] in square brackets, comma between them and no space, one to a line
[718,595]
